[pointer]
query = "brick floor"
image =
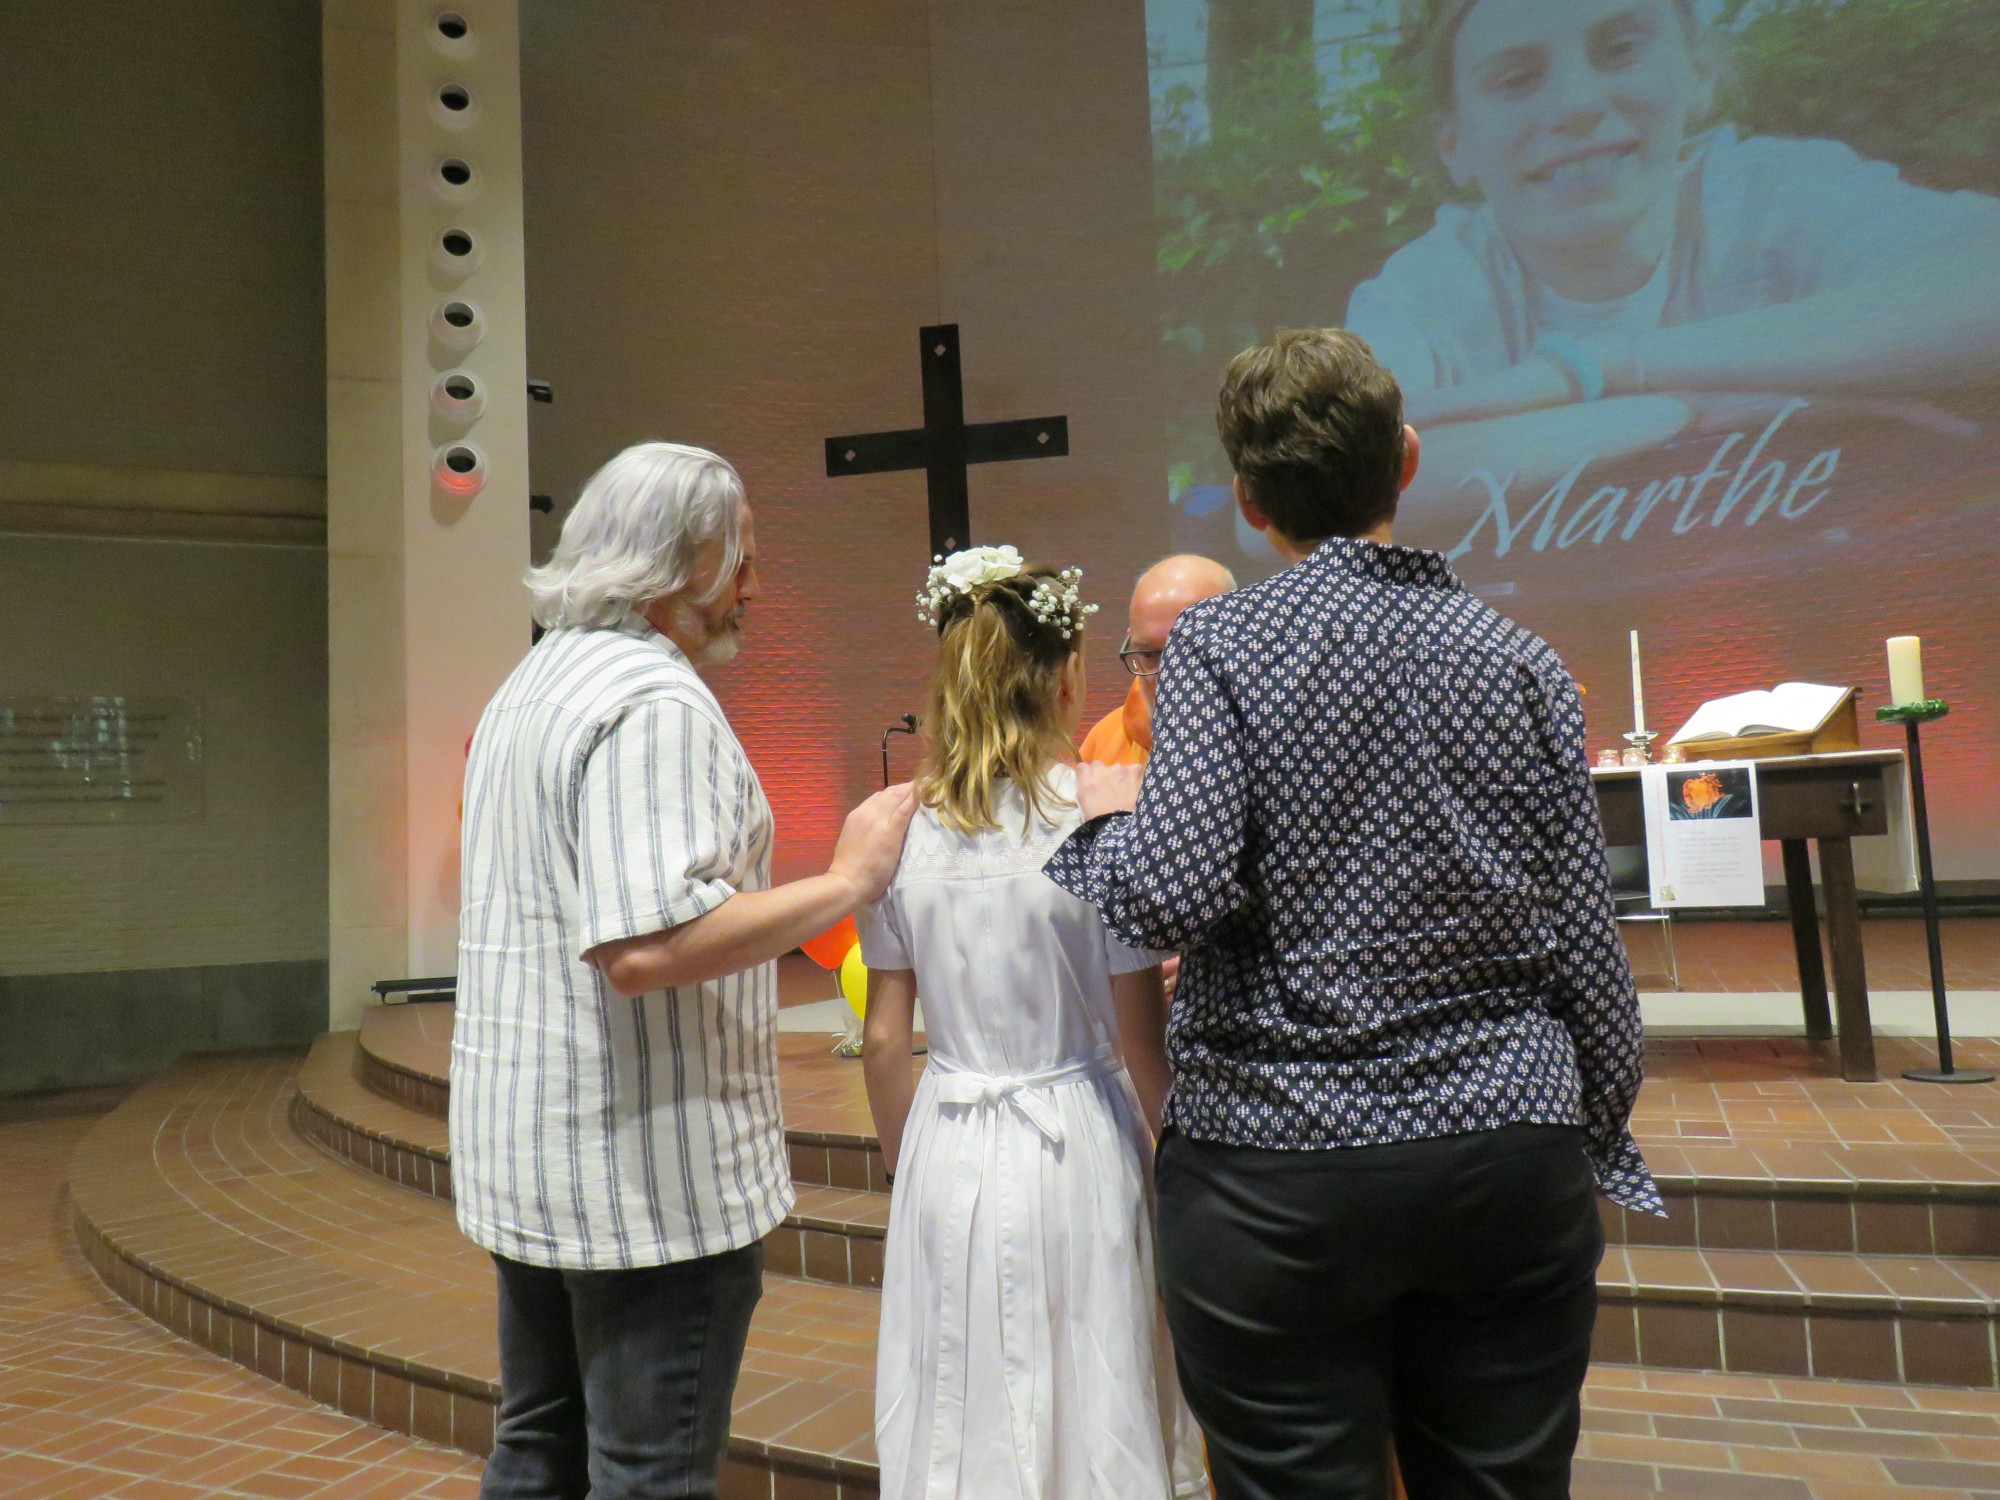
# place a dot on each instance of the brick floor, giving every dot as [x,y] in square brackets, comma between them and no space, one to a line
[1785,1093]
[1757,956]
[100,1403]
[1733,1437]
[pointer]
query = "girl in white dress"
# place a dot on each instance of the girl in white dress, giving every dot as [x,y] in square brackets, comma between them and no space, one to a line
[1022,1352]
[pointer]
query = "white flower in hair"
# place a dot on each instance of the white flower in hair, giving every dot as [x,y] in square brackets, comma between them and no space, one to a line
[1058,603]
[1054,601]
[963,572]
[967,570]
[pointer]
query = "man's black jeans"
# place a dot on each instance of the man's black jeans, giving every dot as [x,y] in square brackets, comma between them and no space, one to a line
[1441,1292]
[617,1384]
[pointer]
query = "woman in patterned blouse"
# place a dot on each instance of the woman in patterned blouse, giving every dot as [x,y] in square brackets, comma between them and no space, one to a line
[1406,1041]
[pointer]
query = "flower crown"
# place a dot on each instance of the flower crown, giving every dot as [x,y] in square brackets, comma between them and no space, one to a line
[1055,601]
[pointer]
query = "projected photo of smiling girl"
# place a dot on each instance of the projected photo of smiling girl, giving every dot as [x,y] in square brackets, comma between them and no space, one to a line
[1624,275]
[1695,304]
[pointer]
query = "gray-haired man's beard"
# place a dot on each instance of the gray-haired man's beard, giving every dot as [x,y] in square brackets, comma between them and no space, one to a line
[719,642]
[722,643]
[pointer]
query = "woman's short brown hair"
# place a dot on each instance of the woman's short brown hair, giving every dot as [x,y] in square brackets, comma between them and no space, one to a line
[1314,428]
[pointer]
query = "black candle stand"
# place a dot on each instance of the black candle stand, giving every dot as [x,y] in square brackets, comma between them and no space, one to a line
[1910,716]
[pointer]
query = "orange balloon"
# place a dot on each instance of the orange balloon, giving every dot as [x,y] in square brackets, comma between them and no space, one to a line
[832,946]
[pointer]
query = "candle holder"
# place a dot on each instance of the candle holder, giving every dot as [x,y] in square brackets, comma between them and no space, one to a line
[1910,716]
[1640,741]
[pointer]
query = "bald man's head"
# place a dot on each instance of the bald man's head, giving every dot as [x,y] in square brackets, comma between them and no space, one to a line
[1163,591]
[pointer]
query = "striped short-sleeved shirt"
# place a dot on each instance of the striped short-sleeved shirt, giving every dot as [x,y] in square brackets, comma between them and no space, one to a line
[606,797]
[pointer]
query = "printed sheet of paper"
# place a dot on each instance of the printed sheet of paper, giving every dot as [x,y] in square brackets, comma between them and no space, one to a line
[1704,839]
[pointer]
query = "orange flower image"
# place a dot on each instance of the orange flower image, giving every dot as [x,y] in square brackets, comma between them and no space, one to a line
[1699,793]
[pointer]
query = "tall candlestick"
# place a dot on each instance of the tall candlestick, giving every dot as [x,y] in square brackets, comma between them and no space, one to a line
[1638,693]
[1912,716]
[1906,669]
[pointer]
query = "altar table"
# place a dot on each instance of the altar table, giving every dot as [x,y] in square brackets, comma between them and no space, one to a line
[1832,799]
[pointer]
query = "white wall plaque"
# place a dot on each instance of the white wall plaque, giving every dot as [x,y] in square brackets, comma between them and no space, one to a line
[99,760]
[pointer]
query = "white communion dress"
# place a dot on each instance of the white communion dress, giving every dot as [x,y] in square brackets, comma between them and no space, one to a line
[1023,1354]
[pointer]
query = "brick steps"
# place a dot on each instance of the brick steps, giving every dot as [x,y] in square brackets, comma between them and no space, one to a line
[1844,1200]
[1895,1317]
[405,1054]
[1832,1271]
[196,1201]
[834,1234]
[200,1202]
[1918,1319]
[340,1108]
[1736,1172]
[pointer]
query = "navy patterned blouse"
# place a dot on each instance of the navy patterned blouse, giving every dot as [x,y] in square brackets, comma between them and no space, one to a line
[1368,824]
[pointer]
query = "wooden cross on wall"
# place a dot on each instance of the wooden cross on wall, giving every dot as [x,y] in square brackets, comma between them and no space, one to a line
[944,446]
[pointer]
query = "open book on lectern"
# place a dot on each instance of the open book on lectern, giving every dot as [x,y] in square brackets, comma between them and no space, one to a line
[1790,709]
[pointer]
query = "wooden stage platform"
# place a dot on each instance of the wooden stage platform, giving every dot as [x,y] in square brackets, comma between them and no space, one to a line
[1816,1321]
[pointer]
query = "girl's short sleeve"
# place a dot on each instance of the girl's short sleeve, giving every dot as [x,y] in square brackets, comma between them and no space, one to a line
[884,945]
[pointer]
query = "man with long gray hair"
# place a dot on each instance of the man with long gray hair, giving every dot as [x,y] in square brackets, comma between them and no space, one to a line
[615,1135]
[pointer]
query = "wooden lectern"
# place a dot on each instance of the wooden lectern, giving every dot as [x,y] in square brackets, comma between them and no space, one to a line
[1839,730]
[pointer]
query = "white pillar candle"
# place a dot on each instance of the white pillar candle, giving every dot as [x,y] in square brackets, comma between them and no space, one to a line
[1906,669]
[1638,693]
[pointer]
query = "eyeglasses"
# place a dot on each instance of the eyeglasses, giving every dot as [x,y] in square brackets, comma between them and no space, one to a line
[1138,663]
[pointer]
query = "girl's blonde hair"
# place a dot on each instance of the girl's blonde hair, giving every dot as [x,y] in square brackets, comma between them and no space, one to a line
[993,712]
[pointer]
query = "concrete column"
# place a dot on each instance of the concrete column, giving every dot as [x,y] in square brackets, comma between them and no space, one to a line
[427,469]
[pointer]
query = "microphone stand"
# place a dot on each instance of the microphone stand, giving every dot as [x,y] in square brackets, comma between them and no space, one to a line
[908,726]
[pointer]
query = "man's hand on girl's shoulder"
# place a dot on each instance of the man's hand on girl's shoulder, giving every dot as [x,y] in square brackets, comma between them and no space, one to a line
[871,841]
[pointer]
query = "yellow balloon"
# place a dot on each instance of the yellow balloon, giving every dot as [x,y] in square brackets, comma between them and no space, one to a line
[854,981]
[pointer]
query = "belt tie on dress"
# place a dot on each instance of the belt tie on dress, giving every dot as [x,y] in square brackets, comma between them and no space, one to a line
[960,1085]
[1024,1093]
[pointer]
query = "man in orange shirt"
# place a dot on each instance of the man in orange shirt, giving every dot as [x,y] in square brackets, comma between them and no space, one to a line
[1124,737]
